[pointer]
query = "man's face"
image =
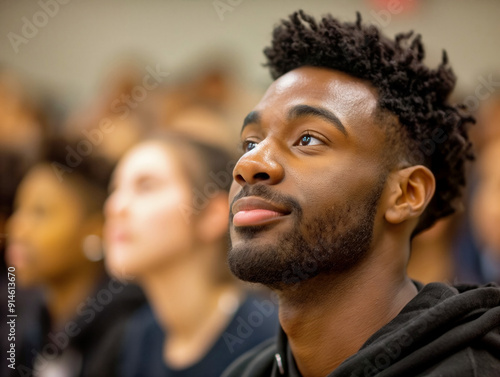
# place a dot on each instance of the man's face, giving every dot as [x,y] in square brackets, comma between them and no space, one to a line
[305,193]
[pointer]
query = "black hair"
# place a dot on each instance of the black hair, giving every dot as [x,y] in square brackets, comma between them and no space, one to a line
[429,130]
[208,167]
[81,167]
[13,166]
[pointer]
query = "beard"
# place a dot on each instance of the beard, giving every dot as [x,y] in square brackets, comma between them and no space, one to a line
[331,242]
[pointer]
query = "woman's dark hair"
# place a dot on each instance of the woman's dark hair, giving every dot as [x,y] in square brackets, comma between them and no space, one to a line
[76,163]
[208,167]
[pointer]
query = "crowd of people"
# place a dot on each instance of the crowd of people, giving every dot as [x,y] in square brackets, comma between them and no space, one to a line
[118,235]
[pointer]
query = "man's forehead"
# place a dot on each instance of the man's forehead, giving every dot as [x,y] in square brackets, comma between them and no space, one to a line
[317,85]
[348,97]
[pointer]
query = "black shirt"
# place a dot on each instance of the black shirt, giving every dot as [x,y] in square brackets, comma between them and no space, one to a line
[88,345]
[253,322]
[443,331]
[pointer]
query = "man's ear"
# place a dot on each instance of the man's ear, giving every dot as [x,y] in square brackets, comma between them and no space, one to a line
[411,191]
[213,221]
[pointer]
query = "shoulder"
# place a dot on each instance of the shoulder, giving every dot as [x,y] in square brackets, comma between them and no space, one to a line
[142,327]
[255,321]
[254,363]
[469,362]
[142,343]
[443,331]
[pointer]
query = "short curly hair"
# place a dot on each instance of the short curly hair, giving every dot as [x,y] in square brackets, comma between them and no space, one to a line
[429,130]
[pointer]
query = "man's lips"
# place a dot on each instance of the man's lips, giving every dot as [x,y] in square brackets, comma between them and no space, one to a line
[251,211]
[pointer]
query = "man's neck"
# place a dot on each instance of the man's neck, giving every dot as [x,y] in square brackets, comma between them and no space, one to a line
[329,318]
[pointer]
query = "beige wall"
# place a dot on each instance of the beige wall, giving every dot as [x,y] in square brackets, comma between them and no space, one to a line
[70,52]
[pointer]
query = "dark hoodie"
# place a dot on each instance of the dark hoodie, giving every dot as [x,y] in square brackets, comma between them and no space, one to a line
[443,331]
[89,344]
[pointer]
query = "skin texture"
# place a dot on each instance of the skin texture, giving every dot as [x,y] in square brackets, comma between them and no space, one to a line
[45,235]
[331,241]
[326,314]
[322,219]
[157,236]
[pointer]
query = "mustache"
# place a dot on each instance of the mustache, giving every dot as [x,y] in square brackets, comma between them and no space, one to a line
[270,195]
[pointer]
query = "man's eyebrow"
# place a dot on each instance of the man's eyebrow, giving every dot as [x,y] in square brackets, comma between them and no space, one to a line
[252,117]
[305,110]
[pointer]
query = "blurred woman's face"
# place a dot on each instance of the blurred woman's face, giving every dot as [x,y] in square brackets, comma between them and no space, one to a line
[147,213]
[46,231]
[486,203]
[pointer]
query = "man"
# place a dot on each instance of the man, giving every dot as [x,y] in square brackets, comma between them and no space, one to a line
[352,151]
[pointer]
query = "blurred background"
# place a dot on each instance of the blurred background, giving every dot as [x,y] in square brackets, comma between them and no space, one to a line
[101,75]
[70,54]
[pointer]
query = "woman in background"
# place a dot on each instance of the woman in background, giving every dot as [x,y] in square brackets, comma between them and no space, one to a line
[166,228]
[54,245]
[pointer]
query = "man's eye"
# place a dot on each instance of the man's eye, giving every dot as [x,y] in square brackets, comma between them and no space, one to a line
[309,140]
[248,145]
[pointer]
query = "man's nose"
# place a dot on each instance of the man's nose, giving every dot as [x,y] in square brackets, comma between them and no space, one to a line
[259,165]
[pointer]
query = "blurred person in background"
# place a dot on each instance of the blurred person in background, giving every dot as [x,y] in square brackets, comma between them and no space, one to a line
[206,94]
[24,126]
[26,117]
[477,243]
[166,226]
[109,120]
[487,127]
[431,257]
[462,247]
[209,93]
[54,244]
[485,210]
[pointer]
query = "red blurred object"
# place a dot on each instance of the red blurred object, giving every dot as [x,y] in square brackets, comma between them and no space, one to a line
[406,6]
